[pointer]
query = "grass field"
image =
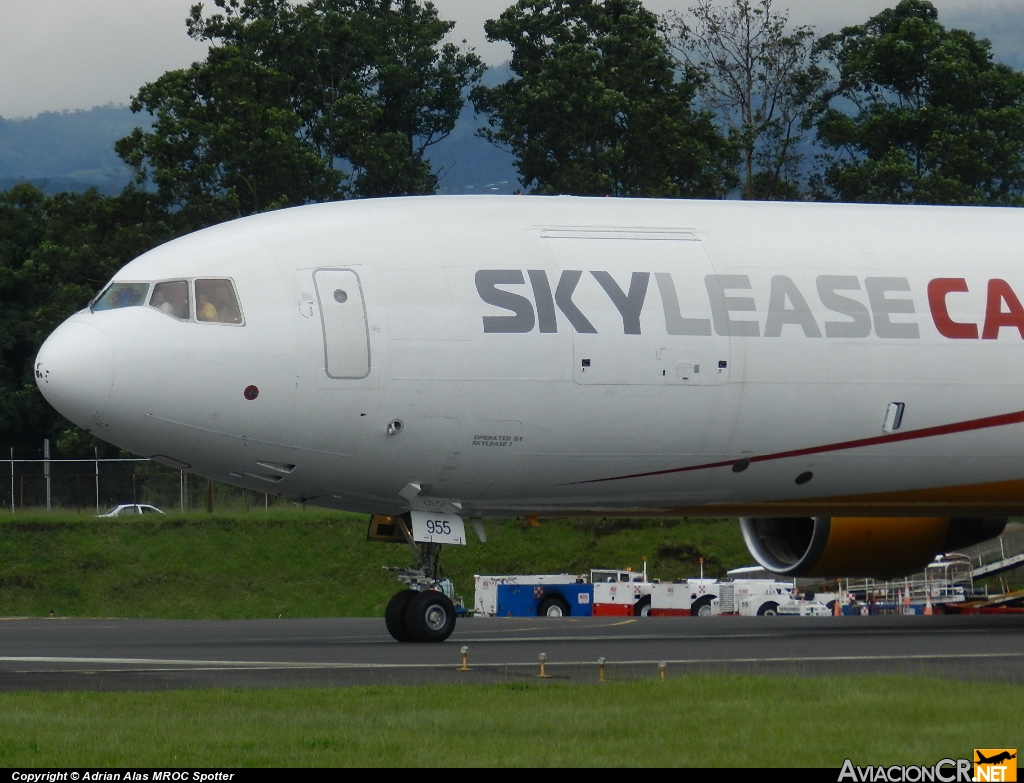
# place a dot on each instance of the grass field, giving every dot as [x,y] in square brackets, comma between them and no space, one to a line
[302,562]
[701,720]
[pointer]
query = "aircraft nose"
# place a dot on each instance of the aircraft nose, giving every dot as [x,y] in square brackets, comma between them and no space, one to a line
[75,371]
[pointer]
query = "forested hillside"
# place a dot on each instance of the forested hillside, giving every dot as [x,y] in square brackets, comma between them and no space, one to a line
[66,151]
[73,151]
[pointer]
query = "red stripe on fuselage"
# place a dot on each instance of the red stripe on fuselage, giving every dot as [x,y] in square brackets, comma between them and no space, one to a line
[896,437]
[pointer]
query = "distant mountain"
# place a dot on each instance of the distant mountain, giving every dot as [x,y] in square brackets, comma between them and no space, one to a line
[66,150]
[469,164]
[58,151]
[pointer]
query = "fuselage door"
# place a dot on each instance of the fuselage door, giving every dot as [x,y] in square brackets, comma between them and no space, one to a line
[343,310]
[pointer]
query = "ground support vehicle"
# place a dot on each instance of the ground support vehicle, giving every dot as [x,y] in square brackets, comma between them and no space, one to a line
[805,607]
[697,597]
[765,598]
[606,592]
[624,593]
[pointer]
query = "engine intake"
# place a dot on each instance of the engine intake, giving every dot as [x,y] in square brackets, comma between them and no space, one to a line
[882,547]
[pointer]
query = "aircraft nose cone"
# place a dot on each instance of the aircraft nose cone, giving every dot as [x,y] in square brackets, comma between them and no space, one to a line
[75,371]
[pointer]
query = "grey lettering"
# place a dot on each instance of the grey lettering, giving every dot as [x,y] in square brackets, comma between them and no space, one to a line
[523,320]
[545,304]
[860,323]
[722,305]
[563,298]
[882,308]
[963,770]
[629,305]
[783,288]
[674,321]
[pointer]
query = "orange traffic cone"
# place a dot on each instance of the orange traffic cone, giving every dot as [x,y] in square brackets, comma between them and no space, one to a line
[927,603]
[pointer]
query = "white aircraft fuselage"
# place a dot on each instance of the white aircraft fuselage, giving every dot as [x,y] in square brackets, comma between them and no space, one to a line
[555,355]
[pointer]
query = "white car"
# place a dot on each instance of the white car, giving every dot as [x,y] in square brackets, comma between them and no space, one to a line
[128,509]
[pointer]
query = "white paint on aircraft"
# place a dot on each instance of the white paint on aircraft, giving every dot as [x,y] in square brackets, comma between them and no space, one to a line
[554,355]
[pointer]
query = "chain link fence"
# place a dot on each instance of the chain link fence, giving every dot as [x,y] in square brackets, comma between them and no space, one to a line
[93,485]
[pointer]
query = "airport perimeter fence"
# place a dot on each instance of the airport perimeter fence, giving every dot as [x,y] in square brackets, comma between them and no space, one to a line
[95,484]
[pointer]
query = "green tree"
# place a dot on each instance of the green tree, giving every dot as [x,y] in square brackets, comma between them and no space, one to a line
[596,106]
[291,96]
[920,114]
[55,255]
[225,141]
[759,80]
[22,218]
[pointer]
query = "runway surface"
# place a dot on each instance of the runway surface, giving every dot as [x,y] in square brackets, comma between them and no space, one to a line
[63,654]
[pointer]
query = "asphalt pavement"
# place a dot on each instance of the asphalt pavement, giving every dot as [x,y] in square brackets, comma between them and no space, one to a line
[111,655]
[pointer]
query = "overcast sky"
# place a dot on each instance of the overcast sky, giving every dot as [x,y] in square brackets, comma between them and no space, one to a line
[76,54]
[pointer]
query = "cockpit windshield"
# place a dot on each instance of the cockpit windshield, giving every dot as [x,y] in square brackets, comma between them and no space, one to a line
[206,300]
[171,297]
[121,295]
[216,302]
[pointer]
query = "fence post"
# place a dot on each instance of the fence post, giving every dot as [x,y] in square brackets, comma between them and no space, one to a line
[12,479]
[96,457]
[46,470]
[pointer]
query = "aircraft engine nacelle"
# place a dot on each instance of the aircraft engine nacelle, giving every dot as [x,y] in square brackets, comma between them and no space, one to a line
[881,547]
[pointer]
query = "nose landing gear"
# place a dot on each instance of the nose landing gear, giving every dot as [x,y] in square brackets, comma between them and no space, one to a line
[425,610]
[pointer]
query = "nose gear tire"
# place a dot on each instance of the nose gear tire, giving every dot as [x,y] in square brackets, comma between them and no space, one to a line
[394,615]
[430,617]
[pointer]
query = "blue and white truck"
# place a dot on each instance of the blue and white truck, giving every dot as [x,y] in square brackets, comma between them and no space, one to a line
[604,592]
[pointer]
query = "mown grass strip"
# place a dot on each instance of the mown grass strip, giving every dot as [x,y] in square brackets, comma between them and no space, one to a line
[302,562]
[698,720]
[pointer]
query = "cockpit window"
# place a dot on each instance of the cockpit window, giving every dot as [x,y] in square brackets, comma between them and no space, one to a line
[171,297]
[121,295]
[216,302]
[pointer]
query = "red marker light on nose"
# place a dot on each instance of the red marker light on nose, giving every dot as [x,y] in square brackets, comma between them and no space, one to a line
[251,392]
